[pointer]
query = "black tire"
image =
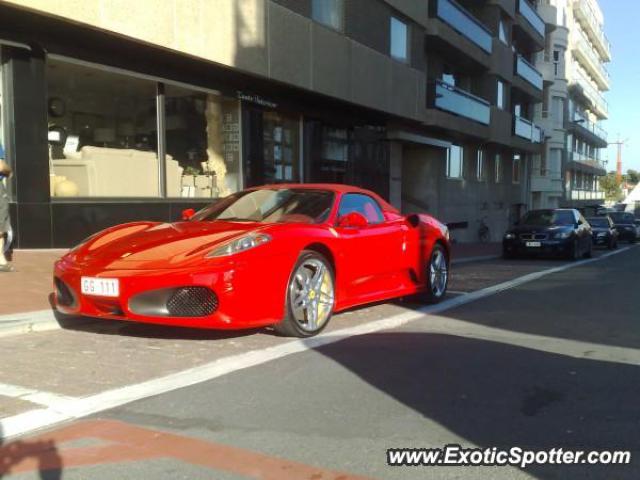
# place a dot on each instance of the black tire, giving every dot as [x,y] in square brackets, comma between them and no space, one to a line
[289,326]
[508,255]
[574,253]
[589,252]
[431,296]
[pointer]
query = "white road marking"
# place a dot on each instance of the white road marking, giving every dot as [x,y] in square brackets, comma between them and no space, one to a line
[30,421]
[34,396]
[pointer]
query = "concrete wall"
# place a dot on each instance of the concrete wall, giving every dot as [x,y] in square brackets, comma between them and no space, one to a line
[271,38]
[466,200]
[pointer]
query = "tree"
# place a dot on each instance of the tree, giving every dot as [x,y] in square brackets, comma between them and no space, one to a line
[611,187]
[633,177]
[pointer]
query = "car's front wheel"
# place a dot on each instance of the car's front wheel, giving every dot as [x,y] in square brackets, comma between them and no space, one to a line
[310,296]
[437,275]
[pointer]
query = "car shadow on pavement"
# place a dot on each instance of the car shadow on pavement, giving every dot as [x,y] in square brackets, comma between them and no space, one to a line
[44,454]
[497,395]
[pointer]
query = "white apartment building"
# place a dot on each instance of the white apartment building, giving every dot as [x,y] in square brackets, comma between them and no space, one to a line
[573,109]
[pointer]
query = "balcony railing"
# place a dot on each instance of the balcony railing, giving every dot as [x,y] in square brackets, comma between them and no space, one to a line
[591,60]
[585,195]
[600,105]
[594,128]
[587,160]
[528,130]
[527,71]
[528,11]
[588,18]
[458,18]
[454,100]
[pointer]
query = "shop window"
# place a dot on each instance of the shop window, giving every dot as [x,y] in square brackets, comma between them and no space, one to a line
[329,13]
[272,146]
[455,155]
[3,144]
[103,134]
[202,131]
[399,40]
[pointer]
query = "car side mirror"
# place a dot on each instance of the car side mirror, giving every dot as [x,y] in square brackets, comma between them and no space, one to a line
[187,214]
[353,220]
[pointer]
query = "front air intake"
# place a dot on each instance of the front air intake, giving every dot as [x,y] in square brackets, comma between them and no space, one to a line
[192,302]
[63,294]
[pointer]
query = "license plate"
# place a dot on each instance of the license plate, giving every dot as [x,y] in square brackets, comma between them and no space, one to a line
[101,287]
[533,244]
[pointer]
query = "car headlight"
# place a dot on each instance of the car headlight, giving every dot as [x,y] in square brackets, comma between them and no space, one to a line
[241,244]
[509,236]
[562,235]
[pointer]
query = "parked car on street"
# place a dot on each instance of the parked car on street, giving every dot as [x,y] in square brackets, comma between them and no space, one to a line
[625,223]
[549,232]
[282,255]
[604,232]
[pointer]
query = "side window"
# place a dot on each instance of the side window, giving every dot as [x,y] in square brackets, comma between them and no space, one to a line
[363,204]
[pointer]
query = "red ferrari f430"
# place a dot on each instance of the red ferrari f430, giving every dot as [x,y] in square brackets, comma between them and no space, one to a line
[282,255]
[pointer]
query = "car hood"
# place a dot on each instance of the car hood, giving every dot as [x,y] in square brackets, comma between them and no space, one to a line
[539,229]
[158,245]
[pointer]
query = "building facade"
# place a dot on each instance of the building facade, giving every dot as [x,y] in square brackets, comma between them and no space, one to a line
[574,108]
[114,112]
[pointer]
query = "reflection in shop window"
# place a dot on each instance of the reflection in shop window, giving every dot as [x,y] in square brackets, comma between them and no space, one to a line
[2,113]
[103,134]
[202,132]
[281,148]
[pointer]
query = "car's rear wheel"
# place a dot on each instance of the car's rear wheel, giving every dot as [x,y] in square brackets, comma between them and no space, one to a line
[589,252]
[310,296]
[437,275]
[574,252]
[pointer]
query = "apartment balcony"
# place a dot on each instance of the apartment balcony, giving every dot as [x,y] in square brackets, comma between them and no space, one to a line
[584,52]
[547,181]
[580,161]
[452,109]
[593,133]
[528,79]
[455,32]
[459,102]
[585,15]
[584,87]
[580,195]
[528,130]
[529,31]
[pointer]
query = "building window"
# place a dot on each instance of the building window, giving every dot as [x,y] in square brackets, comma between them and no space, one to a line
[501,101]
[202,132]
[516,168]
[399,40]
[543,165]
[329,13]
[455,155]
[556,62]
[498,168]
[480,165]
[502,32]
[557,111]
[103,134]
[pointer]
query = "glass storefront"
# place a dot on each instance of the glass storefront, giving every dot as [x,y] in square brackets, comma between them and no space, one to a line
[2,110]
[272,146]
[202,132]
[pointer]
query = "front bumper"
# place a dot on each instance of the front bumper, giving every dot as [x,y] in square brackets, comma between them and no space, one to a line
[239,303]
[553,247]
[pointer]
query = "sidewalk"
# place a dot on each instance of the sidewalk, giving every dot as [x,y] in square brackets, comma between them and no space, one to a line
[24,304]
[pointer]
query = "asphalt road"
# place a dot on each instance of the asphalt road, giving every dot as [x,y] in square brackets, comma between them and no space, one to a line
[552,362]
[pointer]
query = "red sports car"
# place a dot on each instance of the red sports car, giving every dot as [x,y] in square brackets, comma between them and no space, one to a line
[282,255]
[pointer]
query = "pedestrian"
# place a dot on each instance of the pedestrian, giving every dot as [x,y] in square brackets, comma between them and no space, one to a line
[5,225]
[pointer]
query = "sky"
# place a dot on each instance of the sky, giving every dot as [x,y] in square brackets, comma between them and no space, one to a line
[622,26]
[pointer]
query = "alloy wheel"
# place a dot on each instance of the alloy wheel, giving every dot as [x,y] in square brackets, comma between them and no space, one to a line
[438,273]
[311,294]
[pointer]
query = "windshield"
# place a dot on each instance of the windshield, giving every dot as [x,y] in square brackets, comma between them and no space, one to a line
[548,218]
[599,222]
[271,206]
[622,217]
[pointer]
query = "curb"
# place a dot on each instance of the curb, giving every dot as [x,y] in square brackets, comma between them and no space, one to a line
[27,322]
[474,259]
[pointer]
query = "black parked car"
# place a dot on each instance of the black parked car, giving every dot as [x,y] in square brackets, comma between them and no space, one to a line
[604,232]
[626,226]
[562,231]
